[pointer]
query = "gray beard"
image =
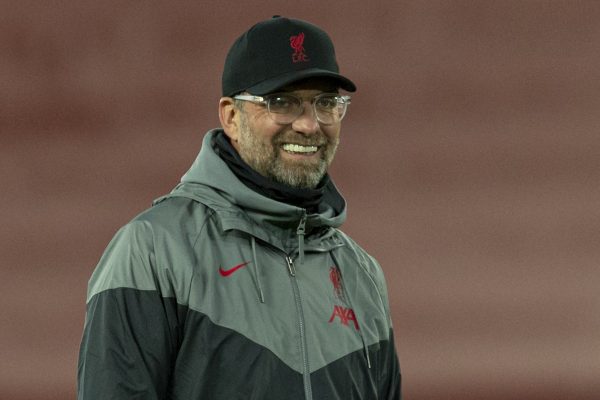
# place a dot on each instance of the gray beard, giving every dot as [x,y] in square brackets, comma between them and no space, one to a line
[265,159]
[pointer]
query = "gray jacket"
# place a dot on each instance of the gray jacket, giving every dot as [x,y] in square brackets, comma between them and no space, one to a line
[217,292]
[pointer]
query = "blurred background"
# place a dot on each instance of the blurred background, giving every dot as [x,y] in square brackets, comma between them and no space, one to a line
[470,159]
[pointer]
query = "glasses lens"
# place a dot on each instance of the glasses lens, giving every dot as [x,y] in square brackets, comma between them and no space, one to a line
[284,108]
[330,108]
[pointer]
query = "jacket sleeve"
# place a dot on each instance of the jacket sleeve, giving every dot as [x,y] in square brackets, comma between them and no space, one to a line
[132,324]
[390,376]
[390,379]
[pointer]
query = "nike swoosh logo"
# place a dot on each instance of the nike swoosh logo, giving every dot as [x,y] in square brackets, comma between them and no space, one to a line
[227,272]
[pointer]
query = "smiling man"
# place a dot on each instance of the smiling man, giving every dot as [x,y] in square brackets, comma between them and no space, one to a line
[239,284]
[290,136]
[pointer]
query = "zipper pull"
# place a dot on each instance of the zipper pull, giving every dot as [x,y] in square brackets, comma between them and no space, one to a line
[301,232]
[302,225]
[290,264]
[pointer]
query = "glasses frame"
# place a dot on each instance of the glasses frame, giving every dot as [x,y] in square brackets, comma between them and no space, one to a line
[264,101]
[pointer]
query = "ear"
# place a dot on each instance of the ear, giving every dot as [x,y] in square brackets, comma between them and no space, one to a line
[228,115]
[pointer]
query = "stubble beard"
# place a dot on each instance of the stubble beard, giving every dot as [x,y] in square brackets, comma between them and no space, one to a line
[265,158]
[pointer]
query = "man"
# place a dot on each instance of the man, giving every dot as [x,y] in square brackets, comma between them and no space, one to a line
[238,284]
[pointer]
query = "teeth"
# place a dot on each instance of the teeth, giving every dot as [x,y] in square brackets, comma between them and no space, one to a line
[296,148]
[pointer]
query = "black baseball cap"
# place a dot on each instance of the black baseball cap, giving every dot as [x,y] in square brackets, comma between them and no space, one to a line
[278,52]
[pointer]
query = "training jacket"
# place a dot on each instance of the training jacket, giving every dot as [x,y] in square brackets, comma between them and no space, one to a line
[218,292]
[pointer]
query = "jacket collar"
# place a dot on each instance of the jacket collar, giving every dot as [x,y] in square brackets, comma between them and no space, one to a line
[210,181]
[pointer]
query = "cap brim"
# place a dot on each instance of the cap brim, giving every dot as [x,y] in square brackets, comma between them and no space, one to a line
[276,83]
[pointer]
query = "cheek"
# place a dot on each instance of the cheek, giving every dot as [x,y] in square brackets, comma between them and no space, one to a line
[265,130]
[332,133]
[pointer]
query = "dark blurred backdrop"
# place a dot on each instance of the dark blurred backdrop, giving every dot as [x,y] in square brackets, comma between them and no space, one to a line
[470,159]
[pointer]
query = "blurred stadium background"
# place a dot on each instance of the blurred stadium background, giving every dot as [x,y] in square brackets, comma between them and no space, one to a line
[470,159]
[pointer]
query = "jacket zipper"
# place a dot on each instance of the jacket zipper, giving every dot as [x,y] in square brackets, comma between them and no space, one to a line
[301,322]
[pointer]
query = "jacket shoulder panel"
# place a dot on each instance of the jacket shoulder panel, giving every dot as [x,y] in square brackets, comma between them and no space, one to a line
[153,251]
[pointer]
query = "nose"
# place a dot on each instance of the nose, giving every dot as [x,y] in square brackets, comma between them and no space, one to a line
[306,122]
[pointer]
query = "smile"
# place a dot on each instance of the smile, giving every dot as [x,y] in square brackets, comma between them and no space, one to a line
[296,148]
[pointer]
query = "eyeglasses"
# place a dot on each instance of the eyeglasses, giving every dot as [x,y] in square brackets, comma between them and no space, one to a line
[284,108]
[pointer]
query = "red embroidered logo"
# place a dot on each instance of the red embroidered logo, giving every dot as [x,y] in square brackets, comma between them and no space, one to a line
[336,279]
[227,272]
[297,43]
[345,315]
